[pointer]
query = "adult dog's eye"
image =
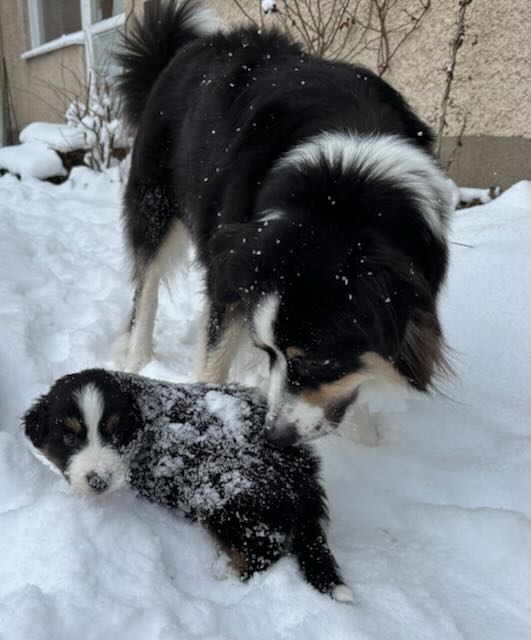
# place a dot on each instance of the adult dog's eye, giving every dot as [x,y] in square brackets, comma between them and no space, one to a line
[70,439]
[315,362]
[309,365]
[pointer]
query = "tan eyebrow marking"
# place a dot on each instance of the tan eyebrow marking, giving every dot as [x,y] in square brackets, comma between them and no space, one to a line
[112,421]
[295,352]
[74,424]
[373,365]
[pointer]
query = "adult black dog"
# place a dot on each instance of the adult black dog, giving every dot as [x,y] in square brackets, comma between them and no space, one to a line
[311,195]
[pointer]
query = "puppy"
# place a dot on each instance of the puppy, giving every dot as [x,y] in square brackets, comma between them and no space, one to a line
[311,194]
[196,448]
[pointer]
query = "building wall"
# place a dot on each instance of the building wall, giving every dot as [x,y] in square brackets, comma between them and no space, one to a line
[492,82]
[493,76]
[43,86]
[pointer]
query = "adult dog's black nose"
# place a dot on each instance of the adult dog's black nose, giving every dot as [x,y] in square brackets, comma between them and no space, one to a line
[98,482]
[281,436]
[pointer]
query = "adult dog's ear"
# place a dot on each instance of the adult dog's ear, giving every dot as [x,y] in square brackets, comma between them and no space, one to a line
[36,421]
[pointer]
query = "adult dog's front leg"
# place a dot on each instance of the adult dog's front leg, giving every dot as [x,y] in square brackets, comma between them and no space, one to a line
[222,331]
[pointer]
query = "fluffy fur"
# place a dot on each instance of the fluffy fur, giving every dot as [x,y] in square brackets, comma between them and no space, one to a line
[309,190]
[196,448]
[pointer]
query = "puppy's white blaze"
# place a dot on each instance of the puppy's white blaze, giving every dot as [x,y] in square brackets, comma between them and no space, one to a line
[342,593]
[263,321]
[383,157]
[203,21]
[90,402]
[95,456]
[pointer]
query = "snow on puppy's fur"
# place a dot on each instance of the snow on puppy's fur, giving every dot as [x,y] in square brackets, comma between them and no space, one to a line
[196,448]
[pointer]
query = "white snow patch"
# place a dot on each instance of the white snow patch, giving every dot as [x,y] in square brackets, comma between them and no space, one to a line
[61,137]
[468,195]
[431,527]
[31,160]
[269,5]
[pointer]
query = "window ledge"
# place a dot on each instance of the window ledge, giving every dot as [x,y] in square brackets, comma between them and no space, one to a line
[107,25]
[76,38]
[58,43]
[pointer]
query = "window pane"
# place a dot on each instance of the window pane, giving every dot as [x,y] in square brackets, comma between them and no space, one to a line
[59,17]
[103,9]
[105,45]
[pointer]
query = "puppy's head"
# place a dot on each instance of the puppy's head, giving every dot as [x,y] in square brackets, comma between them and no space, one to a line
[83,425]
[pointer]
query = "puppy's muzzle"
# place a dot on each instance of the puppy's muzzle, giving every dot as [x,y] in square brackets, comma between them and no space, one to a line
[98,482]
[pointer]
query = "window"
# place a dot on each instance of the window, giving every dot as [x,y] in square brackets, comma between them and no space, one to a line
[56,23]
[103,9]
[56,18]
[52,19]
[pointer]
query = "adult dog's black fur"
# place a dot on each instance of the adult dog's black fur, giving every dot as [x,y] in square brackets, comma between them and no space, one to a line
[198,448]
[313,200]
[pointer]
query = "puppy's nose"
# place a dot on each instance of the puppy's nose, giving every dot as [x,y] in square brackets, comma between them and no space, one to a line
[281,435]
[98,482]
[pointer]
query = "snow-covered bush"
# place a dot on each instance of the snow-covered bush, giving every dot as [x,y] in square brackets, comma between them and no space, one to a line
[98,116]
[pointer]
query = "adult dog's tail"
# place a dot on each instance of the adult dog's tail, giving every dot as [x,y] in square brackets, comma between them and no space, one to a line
[152,41]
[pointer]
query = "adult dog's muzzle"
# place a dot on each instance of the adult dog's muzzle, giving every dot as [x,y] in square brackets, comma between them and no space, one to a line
[296,421]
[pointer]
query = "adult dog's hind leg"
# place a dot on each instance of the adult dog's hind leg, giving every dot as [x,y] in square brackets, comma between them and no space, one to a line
[142,321]
[156,240]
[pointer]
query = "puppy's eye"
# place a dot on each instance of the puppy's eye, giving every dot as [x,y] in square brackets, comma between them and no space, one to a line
[70,439]
[112,422]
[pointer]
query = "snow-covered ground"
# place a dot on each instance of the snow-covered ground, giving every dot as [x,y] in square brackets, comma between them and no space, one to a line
[431,527]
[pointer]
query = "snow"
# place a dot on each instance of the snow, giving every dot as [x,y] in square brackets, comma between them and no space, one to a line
[269,5]
[430,527]
[61,137]
[31,160]
[471,195]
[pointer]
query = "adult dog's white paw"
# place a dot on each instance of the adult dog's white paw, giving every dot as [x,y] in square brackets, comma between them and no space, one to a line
[120,350]
[128,358]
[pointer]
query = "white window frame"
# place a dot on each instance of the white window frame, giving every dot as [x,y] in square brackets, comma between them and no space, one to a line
[84,36]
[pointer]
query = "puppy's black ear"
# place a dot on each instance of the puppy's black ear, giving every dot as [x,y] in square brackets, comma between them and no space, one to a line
[36,422]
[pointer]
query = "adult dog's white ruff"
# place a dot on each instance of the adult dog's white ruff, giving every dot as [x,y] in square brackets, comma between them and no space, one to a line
[387,157]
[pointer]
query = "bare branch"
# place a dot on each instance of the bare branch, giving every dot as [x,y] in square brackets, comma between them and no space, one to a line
[457,42]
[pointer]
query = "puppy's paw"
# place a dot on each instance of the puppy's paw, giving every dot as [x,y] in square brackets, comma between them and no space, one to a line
[342,593]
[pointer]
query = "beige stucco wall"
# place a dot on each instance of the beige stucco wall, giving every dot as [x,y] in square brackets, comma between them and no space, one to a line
[492,82]
[40,87]
[493,75]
